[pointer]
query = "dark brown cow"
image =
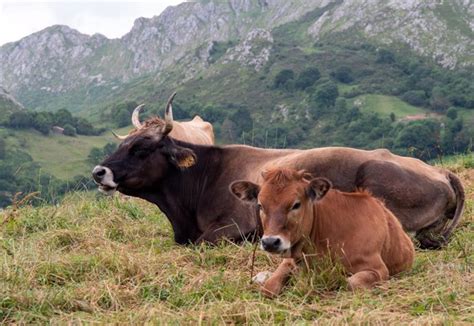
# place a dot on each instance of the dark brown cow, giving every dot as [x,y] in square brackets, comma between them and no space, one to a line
[189,182]
[301,216]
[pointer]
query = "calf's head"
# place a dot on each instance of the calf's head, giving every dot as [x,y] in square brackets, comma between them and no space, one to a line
[285,204]
[144,156]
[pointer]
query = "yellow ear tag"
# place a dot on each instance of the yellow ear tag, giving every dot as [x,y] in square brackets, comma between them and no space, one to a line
[187,162]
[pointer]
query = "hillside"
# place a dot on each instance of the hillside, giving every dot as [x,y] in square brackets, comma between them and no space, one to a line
[113,260]
[59,155]
[62,68]
[8,104]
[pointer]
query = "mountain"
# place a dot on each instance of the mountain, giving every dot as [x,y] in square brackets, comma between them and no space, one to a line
[8,104]
[59,67]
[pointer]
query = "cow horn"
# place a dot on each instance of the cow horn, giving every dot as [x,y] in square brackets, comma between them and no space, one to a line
[169,115]
[118,136]
[135,120]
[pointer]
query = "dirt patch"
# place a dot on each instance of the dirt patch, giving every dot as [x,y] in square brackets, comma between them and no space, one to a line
[415,117]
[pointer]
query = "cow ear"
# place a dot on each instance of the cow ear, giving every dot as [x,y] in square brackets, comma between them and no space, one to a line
[181,157]
[245,190]
[318,188]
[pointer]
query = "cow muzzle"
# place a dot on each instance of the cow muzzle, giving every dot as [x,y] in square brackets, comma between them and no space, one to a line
[275,244]
[104,178]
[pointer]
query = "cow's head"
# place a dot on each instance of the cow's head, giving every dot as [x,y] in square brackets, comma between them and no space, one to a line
[144,156]
[285,203]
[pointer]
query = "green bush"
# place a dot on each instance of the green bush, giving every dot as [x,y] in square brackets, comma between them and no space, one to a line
[283,78]
[69,130]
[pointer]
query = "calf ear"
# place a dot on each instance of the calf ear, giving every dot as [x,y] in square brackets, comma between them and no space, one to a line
[245,190]
[318,188]
[181,157]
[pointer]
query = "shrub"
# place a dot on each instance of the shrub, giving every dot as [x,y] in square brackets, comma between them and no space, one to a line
[307,78]
[452,113]
[69,130]
[283,77]
[417,97]
[343,74]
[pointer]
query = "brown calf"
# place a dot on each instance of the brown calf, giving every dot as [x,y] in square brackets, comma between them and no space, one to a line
[301,215]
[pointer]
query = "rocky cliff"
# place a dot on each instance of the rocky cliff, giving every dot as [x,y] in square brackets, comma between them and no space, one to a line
[60,60]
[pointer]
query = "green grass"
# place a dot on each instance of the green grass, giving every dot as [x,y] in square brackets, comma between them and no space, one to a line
[97,259]
[61,156]
[345,88]
[385,105]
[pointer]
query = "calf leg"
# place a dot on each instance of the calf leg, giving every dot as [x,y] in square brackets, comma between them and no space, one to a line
[275,283]
[368,273]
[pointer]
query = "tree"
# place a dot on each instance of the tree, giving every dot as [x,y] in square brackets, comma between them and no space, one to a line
[421,137]
[392,117]
[416,97]
[42,124]
[242,119]
[95,155]
[307,78]
[69,130]
[326,94]
[228,131]
[3,149]
[63,117]
[343,74]
[283,77]
[122,118]
[439,103]
[452,113]
[84,127]
[20,119]
[385,56]
[212,114]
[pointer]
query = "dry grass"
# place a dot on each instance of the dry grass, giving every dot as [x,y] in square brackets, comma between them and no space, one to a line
[98,260]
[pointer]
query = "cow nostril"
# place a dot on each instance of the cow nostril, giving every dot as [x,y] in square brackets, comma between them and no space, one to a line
[98,173]
[276,242]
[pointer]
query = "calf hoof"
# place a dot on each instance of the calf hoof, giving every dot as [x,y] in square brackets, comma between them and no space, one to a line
[271,288]
[261,277]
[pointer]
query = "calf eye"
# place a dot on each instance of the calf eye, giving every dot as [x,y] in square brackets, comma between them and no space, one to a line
[296,206]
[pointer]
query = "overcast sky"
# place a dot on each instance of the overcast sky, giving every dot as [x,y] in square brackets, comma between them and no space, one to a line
[112,18]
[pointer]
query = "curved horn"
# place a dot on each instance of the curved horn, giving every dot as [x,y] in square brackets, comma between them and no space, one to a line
[169,115]
[135,120]
[118,136]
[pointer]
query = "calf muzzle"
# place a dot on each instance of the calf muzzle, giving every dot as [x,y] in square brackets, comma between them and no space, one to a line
[271,244]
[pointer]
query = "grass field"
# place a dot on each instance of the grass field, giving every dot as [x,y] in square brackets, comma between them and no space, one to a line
[95,259]
[62,156]
[385,105]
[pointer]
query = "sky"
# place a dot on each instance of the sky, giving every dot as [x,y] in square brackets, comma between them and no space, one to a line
[112,18]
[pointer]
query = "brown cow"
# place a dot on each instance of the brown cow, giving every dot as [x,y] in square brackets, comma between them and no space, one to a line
[301,216]
[189,182]
[196,131]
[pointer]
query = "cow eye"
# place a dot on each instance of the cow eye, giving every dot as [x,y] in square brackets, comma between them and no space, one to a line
[296,206]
